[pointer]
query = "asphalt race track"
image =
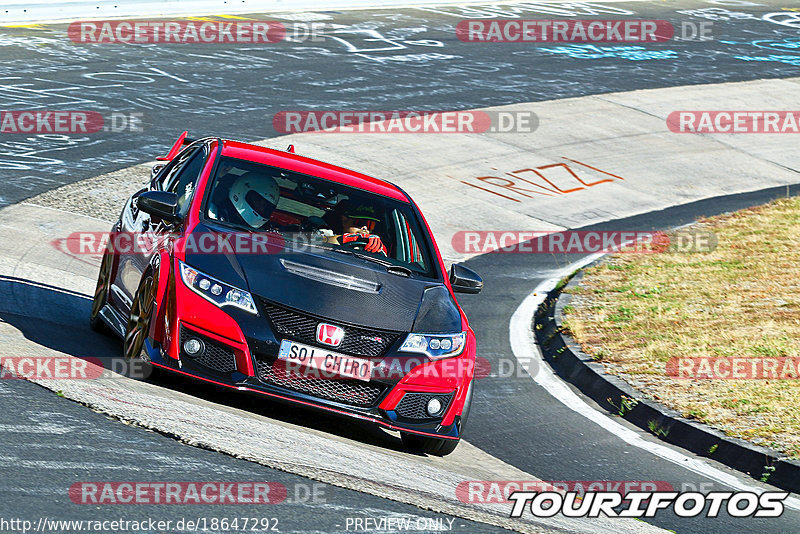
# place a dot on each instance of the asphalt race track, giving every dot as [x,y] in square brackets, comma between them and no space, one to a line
[377,60]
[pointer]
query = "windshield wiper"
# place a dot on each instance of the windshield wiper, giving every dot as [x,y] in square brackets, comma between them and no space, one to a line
[391,267]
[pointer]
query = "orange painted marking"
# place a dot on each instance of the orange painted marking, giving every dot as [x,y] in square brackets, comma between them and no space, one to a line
[552,190]
[593,168]
[510,185]
[488,191]
[543,177]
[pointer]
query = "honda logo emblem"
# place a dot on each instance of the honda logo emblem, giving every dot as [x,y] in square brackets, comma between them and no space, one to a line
[330,334]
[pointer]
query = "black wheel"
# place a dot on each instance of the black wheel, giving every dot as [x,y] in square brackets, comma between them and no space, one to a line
[101,295]
[467,407]
[433,446]
[139,321]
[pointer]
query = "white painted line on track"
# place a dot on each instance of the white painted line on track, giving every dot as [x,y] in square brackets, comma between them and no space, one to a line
[527,352]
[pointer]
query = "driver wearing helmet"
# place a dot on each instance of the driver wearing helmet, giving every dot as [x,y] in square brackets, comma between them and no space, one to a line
[358,224]
[251,200]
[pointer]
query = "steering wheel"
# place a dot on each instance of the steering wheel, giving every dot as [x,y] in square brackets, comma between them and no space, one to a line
[357,244]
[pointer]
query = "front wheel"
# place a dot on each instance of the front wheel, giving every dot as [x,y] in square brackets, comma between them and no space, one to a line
[433,446]
[139,322]
[101,295]
[436,446]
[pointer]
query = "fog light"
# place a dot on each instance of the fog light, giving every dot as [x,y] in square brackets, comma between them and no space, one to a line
[434,406]
[192,346]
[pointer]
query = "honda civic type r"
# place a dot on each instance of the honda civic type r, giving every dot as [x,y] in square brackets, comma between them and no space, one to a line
[272,273]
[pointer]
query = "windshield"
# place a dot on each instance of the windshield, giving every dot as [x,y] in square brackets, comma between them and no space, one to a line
[312,212]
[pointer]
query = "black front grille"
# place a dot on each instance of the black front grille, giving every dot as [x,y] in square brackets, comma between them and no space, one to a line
[302,327]
[345,391]
[214,354]
[415,405]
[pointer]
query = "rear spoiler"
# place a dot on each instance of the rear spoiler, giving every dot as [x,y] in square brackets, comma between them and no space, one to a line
[182,140]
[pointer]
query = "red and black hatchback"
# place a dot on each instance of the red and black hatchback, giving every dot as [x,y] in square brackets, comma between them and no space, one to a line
[265,271]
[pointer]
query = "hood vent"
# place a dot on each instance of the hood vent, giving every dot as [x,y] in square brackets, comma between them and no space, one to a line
[331,277]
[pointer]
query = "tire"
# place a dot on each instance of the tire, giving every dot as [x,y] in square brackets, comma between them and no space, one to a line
[139,320]
[96,322]
[432,446]
[467,407]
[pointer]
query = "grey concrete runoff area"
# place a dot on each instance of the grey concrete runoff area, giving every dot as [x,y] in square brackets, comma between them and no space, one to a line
[602,152]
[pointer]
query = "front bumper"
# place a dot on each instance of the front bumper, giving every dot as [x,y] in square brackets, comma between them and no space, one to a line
[239,346]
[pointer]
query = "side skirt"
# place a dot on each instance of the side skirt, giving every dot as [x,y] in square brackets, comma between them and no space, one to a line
[114,320]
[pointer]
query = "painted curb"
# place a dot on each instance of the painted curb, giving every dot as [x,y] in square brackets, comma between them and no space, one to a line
[578,368]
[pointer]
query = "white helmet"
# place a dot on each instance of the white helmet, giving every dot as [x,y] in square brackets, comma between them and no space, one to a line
[254,196]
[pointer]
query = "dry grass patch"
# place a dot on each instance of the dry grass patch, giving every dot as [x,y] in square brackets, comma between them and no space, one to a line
[636,311]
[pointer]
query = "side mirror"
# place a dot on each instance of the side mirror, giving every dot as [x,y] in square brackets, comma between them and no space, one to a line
[159,204]
[465,280]
[156,169]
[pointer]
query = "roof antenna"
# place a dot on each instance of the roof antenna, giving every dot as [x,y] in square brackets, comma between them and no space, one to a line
[290,149]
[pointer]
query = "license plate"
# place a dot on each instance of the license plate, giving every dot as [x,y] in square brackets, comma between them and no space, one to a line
[330,363]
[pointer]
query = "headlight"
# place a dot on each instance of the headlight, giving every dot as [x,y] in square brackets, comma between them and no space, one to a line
[435,346]
[215,291]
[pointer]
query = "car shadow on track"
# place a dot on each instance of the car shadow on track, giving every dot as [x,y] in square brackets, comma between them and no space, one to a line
[58,320]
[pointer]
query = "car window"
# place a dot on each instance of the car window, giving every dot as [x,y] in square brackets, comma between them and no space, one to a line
[167,177]
[408,249]
[185,179]
[311,211]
